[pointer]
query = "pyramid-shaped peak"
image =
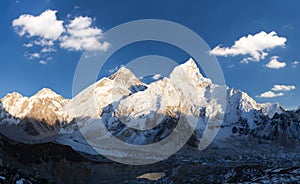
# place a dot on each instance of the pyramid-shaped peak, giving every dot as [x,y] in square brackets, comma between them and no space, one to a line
[239,94]
[122,71]
[46,93]
[45,90]
[124,75]
[188,69]
[190,63]
[127,79]
[190,66]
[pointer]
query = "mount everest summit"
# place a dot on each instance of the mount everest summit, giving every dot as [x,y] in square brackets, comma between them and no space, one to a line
[139,113]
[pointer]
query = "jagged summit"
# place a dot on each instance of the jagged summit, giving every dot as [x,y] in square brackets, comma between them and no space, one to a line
[190,63]
[190,66]
[125,76]
[245,103]
[238,97]
[13,95]
[186,71]
[37,112]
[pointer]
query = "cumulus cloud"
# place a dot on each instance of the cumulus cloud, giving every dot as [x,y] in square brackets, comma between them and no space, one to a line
[256,46]
[275,91]
[48,33]
[270,94]
[295,63]
[275,63]
[283,87]
[34,56]
[82,36]
[44,25]
[156,76]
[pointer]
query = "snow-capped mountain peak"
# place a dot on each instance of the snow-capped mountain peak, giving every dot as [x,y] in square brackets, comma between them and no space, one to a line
[272,109]
[15,104]
[126,78]
[242,99]
[45,93]
[188,69]
[14,95]
[243,102]
[44,105]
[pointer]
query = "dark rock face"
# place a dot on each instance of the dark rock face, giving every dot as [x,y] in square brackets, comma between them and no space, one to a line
[37,153]
[9,175]
[29,162]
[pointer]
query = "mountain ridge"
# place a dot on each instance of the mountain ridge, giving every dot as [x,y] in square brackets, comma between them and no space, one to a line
[113,101]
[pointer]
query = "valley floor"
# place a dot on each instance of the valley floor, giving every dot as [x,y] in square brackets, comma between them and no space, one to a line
[240,161]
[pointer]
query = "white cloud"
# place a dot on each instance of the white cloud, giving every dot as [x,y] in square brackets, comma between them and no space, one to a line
[156,76]
[276,88]
[81,36]
[275,64]
[43,62]
[270,94]
[283,87]
[295,63]
[34,56]
[81,23]
[44,25]
[28,45]
[256,46]
[46,32]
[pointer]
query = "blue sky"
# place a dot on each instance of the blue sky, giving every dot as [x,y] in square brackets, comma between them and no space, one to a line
[26,69]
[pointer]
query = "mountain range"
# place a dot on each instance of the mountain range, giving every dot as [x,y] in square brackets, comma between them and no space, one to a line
[140,113]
